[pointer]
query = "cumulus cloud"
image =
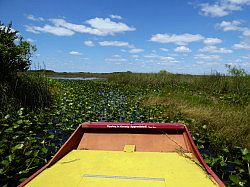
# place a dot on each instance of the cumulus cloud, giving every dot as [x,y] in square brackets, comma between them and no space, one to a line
[229,25]
[213,10]
[152,55]
[204,57]
[59,31]
[116,56]
[115,16]
[222,8]
[134,56]
[160,59]
[204,63]
[116,59]
[75,53]
[33,18]
[234,26]
[108,27]
[89,43]
[215,49]
[212,41]
[182,49]
[136,50]
[163,49]
[242,45]
[182,39]
[116,44]
[95,26]
[246,32]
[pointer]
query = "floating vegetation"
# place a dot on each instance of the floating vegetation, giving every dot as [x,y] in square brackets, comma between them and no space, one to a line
[30,138]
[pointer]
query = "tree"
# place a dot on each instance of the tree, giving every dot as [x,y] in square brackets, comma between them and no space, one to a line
[15,53]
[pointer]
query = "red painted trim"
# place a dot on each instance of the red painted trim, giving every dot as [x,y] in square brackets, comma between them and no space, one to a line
[201,160]
[174,126]
[32,176]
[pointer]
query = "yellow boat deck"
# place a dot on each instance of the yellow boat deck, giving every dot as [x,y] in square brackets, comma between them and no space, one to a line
[92,168]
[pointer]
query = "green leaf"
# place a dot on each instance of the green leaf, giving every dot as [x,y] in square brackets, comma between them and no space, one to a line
[19,122]
[244,151]
[207,160]
[226,150]
[7,116]
[235,179]
[44,150]
[5,162]
[18,146]
[51,136]
[247,158]
[238,162]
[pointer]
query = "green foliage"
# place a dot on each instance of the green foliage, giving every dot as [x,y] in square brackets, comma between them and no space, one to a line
[163,72]
[19,91]
[34,91]
[234,71]
[28,139]
[15,53]
[232,165]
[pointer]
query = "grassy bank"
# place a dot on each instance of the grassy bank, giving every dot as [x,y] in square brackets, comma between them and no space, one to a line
[219,102]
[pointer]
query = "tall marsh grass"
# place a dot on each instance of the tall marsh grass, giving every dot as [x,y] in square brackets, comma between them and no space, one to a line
[30,91]
[220,102]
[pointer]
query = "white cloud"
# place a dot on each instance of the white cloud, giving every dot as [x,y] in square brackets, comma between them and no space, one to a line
[108,27]
[222,8]
[229,25]
[240,2]
[234,26]
[212,41]
[89,43]
[215,49]
[116,44]
[242,45]
[75,53]
[136,50]
[115,16]
[134,56]
[182,49]
[208,63]
[116,56]
[182,39]
[213,10]
[98,26]
[205,57]
[168,59]
[160,59]
[163,49]
[246,32]
[33,18]
[115,59]
[73,27]
[151,55]
[59,31]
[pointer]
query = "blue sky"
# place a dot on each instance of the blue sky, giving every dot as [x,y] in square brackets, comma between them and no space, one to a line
[194,36]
